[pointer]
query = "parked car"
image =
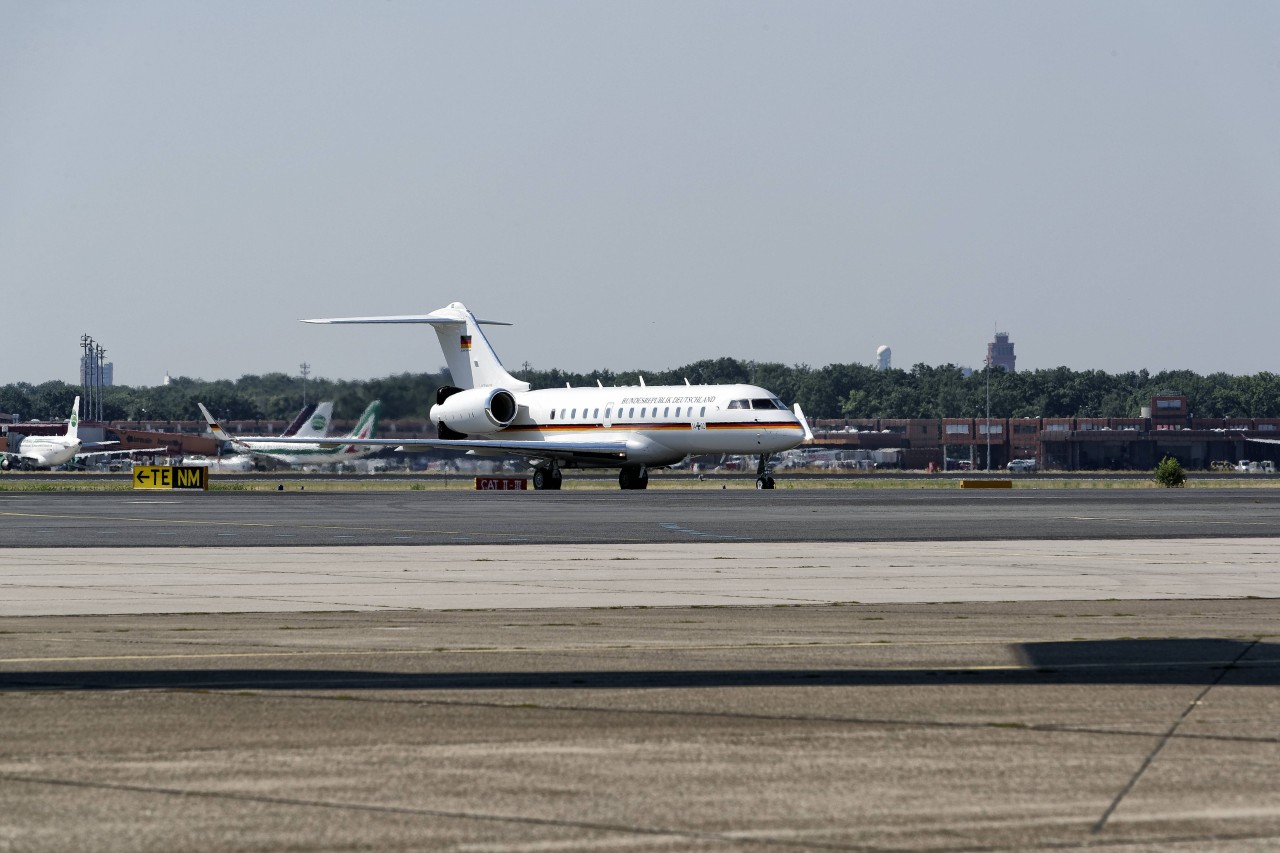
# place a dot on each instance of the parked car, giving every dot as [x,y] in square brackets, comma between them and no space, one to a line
[1022,465]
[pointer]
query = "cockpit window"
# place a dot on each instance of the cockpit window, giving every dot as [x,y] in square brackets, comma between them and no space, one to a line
[767,403]
[739,404]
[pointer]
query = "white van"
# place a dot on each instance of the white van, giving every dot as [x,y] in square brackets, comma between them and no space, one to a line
[1022,465]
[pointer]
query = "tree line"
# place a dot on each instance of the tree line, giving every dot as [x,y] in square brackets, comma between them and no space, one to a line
[834,391]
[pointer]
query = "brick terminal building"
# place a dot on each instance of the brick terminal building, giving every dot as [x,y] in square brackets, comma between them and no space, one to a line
[1166,428]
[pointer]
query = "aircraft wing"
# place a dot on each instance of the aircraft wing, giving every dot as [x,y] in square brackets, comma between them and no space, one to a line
[596,451]
[121,451]
[1265,440]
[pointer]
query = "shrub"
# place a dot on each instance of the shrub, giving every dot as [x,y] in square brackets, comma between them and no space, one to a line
[1170,474]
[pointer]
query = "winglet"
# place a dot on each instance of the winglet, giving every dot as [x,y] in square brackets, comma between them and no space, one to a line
[804,422]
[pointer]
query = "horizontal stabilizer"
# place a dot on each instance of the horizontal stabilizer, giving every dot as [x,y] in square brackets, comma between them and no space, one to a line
[430,319]
[471,360]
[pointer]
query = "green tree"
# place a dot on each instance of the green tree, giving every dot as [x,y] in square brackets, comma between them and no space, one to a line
[1170,474]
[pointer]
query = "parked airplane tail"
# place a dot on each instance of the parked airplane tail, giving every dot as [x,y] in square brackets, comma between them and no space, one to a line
[73,425]
[367,425]
[214,427]
[312,422]
[472,361]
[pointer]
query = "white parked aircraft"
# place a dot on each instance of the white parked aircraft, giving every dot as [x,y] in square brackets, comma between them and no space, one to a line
[312,421]
[489,411]
[302,450]
[221,464]
[50,451]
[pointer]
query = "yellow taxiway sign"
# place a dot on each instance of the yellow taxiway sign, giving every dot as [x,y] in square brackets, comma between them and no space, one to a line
[171,477]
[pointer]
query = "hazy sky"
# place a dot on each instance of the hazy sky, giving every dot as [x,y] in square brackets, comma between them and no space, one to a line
[638,184]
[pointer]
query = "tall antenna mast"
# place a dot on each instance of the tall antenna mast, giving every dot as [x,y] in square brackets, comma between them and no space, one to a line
[306,369]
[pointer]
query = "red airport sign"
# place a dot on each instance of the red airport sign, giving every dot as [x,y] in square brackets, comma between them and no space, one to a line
[501,484]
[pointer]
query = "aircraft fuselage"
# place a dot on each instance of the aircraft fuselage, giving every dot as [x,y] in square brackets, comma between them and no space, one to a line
[661,425]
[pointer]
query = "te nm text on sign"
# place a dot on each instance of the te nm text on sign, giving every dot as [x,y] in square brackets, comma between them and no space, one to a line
[171,477]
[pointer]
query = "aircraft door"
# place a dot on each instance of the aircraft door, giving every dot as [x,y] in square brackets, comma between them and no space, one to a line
[608,416]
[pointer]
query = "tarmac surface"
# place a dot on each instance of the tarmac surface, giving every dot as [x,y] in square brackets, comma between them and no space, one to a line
[67,582]
[656,516]
[1104,673]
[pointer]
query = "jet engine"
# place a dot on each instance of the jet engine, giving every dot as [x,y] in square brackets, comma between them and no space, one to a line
[474,410]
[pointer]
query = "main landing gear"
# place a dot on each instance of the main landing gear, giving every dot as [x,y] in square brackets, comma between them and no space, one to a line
[764,477]
[633,477]
[547,477]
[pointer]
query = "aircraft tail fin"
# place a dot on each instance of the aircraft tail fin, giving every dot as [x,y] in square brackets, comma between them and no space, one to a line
[312,422]
[367,425]
[218,432]
[472,361]
[73,424]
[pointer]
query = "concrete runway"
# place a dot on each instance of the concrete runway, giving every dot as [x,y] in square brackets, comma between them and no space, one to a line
[658,516]
[66,582]
[672,688]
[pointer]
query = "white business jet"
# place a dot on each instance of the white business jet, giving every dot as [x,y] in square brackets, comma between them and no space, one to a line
[489,411]
[50,451]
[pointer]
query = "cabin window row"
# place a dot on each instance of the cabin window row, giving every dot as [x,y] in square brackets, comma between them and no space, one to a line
[572,414]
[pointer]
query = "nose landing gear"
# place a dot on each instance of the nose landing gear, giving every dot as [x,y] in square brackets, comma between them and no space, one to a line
[764,476]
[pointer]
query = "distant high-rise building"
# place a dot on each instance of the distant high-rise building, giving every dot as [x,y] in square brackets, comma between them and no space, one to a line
[1000,353]
[884,356]
[105,372]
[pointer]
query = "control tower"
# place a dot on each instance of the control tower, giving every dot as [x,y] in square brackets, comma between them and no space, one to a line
[1000,353]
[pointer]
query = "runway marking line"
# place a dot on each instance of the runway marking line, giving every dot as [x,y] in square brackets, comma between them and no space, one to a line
[208,523]
[1263,523]
[189,521]
[1235,660]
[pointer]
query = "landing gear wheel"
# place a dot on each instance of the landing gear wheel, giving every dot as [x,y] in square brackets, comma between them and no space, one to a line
[764,480]
[547,479]
[633,477]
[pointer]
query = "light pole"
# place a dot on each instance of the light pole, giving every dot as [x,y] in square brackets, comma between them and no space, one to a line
[99,367]
[306,368]
[988,372]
